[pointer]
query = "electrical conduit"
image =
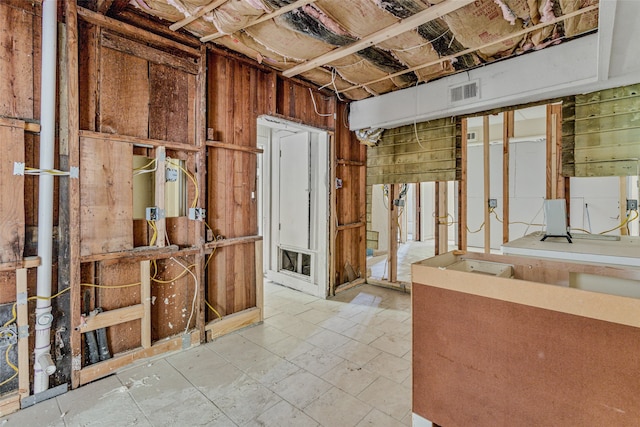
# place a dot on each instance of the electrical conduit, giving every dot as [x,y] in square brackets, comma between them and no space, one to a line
[44,366]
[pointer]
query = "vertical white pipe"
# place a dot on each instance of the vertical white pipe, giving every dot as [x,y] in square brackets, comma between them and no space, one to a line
[43,366]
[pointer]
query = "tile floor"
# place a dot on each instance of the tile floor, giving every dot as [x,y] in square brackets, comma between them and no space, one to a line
[336,363]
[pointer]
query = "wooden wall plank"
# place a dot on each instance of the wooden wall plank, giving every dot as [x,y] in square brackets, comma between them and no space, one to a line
[169,107]
[124,94]
[89,81]
[17,60]
[106,196]
[125,336]
[12,212]
[402,157]
[171,305]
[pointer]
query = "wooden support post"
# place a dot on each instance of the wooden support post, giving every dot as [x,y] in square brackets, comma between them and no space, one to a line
[22,322]
[462,190]
[417,222]
[161,223]
[442,215]
[487,184]
[507,132]
[201,179]
[392,257]
[145,297]
[333,215]
[73,127]
[259,279]
[623,204]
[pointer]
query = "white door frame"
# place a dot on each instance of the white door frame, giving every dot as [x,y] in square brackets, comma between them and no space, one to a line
[318,283]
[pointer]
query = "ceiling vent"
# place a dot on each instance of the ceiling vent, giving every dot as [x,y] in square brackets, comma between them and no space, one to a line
[468,91]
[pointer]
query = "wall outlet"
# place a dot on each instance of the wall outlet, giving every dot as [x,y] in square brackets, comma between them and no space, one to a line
[493,203]
[632,205]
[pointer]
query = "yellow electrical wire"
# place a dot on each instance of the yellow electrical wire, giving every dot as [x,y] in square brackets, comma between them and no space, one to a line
[184,272]
[192,178]
[144,168]
[212,309]
[91,285]
[6,357]
[152,224]
[625,222]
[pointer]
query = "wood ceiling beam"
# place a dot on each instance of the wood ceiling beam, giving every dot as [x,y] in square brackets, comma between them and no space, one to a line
[402,26]
[471,50]
[189,19]
[262,19]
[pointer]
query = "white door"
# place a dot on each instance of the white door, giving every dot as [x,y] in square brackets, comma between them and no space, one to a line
[294,191]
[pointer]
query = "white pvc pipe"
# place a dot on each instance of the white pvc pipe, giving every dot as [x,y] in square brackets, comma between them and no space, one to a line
[45,192]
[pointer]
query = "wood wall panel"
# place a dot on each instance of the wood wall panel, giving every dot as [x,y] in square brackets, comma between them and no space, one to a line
[294,101]
[19,59]
[106,196]
[12,217]
[124,94]
[88,72]
[171,116]
[171,302]
[231,277]
[125,336]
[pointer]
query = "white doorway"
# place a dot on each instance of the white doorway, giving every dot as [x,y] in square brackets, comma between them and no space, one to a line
[293,170]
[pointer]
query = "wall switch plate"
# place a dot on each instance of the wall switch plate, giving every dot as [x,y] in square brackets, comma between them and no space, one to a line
[493,203]
[632,205]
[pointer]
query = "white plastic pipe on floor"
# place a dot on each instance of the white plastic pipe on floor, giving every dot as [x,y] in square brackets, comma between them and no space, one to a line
[44,365]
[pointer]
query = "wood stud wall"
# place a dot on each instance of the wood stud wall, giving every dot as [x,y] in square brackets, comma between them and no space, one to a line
[126,91]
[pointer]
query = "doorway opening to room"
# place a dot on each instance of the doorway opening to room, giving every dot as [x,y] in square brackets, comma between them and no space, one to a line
[293,204]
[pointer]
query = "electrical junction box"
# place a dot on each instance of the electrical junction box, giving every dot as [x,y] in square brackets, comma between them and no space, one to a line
[493,203]
[154,214]
[171,175]
[197,214]
[632,205]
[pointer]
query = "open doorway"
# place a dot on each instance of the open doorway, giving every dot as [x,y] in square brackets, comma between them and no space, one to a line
[294,204]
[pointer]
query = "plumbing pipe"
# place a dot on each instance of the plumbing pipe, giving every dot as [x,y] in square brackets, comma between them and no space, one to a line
[43,365]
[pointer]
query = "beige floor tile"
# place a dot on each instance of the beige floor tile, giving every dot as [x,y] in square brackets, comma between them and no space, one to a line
[95,404]
[294,308]
[337,324]
[301,388]
[377,418]
[270,311]
[264,334]
[289,348]
[337,408]
[327,305]
[317,361]
[390,366]
[388,396]
[283,414]
[363,334]
[357,352]
[43,414]
[272,369]
[328,340]
[281,320]
[301,329]
[392,344]
[239,396]
[392,327]
[350,377]
[394,314]
[315,316]
[239,350]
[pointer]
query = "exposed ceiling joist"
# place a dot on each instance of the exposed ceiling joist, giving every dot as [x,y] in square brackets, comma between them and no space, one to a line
[189,19]
[429,14]
[471,50]
[262,19]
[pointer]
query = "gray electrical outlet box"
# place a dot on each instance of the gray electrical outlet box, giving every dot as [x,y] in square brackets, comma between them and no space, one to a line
[154,213]
[493,203]
[171,175]
[632,205]
[197,214]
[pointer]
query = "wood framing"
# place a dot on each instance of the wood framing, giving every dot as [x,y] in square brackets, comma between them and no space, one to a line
[486,170]
[392,255]
[12,215]
[442,217]
[462,189]
[507,132]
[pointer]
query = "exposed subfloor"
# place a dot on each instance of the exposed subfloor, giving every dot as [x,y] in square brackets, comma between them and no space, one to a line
[313,362]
